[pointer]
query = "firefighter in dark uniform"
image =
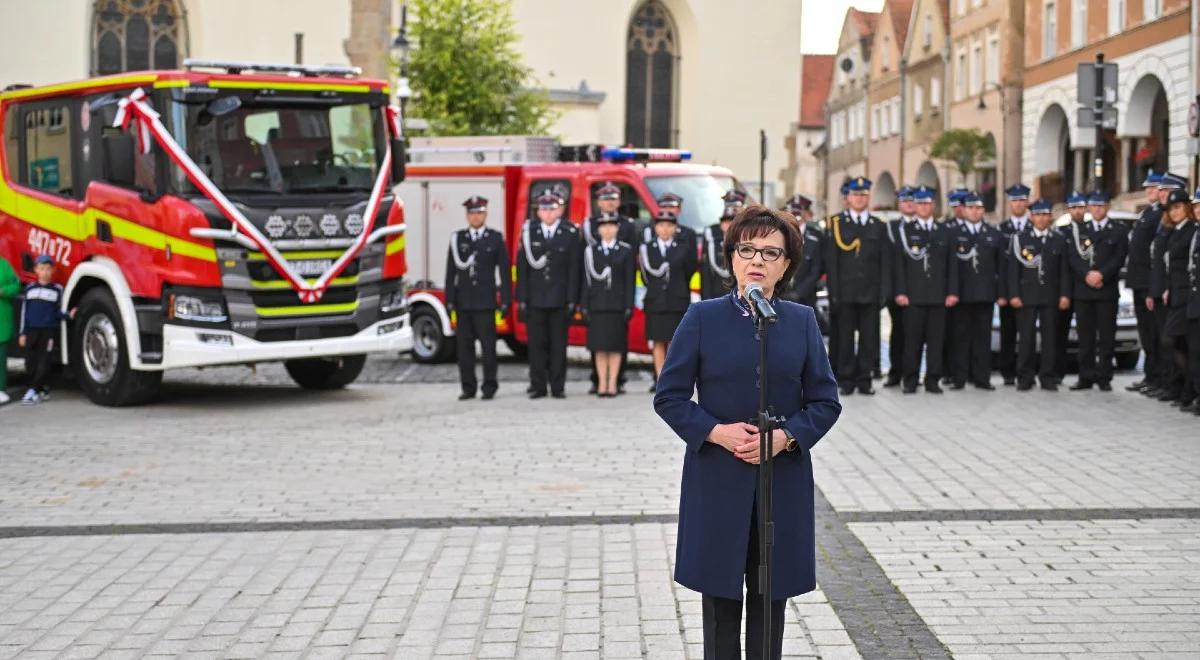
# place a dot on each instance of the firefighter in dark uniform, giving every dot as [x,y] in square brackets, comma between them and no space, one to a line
[673,204]
[826,254]
[1017,222]
[1097,251]
[956,200]
[1077,210]
[608,205]
[476,271]
[1038,281]
[1177,212]
[908,211]
[1164,368]
[803,287]
[954,206]
[1137,274]
[1192,312]
[979,248]
[858,260]
[714,273]
[925,286]
[548,274]
[668,263]
[606,301]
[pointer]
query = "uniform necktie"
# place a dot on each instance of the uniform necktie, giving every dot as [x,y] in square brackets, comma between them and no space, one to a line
[663,250]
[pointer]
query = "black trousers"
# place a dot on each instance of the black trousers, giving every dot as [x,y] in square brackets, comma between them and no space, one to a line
[1061,337]
[722,617]
[1008,343]
[1031,362]
[1146,337]
[896,342]
[1164,366]
[972,359]
[1174,360]
[858,343]
[1193,355]
[39,355]
[924,327]
[476,325]
[948,346]
[1096,324]
[547,349]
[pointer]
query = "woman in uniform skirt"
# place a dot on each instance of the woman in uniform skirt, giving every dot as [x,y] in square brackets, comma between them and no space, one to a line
[607,301]
[715,354]
[667,263]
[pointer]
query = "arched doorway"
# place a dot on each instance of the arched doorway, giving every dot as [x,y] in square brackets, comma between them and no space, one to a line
[133,35]
[1148,128]
[884,196]
[927,176]
[651,66]
[1054,160]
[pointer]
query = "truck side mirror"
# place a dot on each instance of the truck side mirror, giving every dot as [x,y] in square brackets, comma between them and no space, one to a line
[399,161]
[118,159]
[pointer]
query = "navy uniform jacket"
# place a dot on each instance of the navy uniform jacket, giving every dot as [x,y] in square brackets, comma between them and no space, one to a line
[1110,246]
[1007,229]
[1193,304]
[1158,262]
[713,270]
[979,258]
[862,275]
[715,354]
[1033,285]
[615,295]
[928,280]
[556,285]
[672,292]
[1137,269]
[807,277]
[474,287]
[1178,278]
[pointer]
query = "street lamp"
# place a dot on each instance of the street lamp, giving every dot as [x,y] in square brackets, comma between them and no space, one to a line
[1001,182]
[400,49]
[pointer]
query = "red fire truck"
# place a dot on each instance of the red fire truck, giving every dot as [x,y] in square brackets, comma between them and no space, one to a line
[163,272]
[511,172]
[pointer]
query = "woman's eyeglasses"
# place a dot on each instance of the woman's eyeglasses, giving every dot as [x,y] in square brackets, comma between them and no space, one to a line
[747,251]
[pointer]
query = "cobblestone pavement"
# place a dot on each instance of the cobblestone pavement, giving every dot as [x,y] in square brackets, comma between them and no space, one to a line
[241,517]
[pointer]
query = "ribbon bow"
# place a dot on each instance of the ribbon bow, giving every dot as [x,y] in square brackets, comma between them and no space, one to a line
[125,116]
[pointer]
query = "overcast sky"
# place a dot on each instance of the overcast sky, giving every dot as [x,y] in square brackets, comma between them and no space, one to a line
[822,22]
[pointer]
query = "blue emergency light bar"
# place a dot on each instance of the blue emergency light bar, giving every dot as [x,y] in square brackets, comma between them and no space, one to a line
[619,154]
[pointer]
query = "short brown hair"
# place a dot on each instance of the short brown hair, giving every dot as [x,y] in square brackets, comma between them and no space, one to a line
[757,221]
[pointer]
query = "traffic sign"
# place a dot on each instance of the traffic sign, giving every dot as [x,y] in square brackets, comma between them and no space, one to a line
[1086,118]
[1194,119]
[1086,83]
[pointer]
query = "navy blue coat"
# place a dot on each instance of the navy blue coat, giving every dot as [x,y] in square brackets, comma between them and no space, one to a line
[715,353]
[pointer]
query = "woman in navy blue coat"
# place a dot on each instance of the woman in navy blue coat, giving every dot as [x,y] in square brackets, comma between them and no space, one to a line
[715,353]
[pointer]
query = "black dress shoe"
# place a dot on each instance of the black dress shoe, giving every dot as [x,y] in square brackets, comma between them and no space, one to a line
[1152,392]
[985,386]
[1024,387]
[488,396]
[529,390]
[933,388]
[559,395]
[1050,387]
[1081,385]
[592,390]
[958,386]
[1192,406]
[466,395]
[910,389]
[1134,387]
[1167,396]
[1104,387]
[866,389]
[537,395]
[620,389]
[1179,403]
[891,382]
[846,390]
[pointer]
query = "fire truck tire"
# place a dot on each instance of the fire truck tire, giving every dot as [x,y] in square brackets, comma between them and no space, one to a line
[520,350]
[331,373]
[430,344]
[100,356]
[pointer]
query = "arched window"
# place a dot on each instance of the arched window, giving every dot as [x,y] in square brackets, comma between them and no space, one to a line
[133,35]
[651,62]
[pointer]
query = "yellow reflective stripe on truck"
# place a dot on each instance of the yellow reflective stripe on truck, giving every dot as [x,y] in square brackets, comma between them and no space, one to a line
[298,254]
[307,310]
[135,233]
[114,81]
[395,245]
[284,284]
[296,87]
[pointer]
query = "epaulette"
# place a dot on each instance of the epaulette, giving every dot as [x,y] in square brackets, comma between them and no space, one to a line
[625,244]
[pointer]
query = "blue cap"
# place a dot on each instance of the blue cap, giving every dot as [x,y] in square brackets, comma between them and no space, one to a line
[905,194]
[1098,197]
[1076,200]
[971,199]
[1152,179]
[845,188]
[1039,206]
[43,259]
[858,184]
[1017,191]
[954,197]
[923,194]
[1170,181]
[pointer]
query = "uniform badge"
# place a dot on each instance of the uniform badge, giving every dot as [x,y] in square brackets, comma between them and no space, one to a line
[1027,253]
[1087,243]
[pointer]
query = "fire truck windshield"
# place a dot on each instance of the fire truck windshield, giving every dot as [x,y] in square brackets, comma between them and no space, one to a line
[701,193]
[283,149]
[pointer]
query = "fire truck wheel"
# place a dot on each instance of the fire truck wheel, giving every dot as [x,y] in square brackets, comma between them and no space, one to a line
[430,344]
[331,373]
[101,358]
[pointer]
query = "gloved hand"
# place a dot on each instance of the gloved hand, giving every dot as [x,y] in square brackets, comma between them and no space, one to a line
[628,314]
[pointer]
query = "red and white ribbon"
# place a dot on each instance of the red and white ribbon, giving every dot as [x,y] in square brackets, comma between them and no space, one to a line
[134,108]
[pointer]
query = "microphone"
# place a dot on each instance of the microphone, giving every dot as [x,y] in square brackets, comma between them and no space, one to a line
[762,307]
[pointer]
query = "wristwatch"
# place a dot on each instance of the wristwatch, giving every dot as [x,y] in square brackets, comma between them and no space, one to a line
[791,440]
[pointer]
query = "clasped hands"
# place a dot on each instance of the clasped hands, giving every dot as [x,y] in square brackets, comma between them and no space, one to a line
[741,439]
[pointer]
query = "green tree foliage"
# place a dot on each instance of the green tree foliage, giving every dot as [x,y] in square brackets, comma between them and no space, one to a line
[964,148]
[466,74]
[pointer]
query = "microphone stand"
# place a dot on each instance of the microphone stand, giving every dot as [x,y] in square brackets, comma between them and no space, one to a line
[766,423]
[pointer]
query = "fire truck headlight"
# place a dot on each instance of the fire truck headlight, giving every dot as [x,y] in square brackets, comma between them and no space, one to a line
[192,308]
[393,301]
